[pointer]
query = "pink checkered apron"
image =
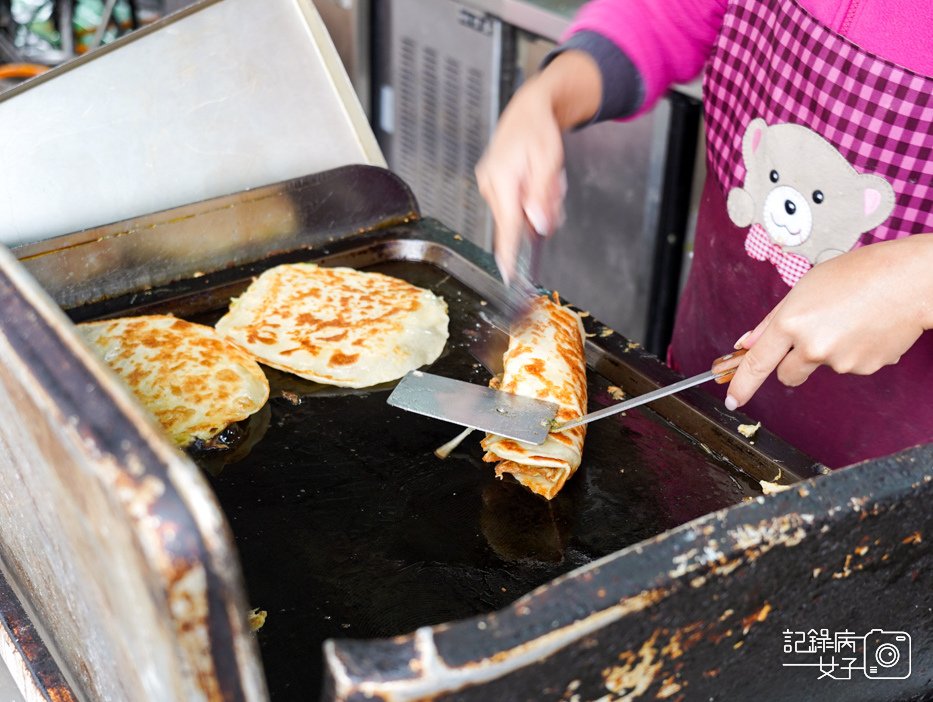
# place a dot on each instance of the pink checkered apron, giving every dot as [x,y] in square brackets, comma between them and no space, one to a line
[775,61]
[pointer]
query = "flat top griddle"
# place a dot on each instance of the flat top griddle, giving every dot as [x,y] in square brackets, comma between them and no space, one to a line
[348,526]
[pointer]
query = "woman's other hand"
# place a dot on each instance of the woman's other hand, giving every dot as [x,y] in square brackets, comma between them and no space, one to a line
[521,174]
[855,313]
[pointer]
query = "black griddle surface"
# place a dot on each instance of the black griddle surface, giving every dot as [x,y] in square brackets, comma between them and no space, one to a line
[347,525]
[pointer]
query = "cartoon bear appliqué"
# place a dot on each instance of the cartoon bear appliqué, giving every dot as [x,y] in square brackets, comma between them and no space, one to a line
[803,200]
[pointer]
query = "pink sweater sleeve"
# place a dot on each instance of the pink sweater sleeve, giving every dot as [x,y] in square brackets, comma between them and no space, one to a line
[667,40]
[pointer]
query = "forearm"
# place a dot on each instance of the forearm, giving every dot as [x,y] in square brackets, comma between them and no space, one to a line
[623,90]
[908,263]
[922,245]
[570,86]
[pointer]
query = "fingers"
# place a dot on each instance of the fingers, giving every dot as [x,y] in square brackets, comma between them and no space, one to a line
[519,176]
[753,371]
[764,355]
[504,199]
[774,345]
[740,342]
[795,368]
[544,189]
[532,194]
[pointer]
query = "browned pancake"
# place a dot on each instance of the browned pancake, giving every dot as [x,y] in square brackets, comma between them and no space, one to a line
[195,382]
[337,325]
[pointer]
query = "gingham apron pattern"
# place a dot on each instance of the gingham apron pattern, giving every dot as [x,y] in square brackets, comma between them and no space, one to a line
[774,60]
[790,266]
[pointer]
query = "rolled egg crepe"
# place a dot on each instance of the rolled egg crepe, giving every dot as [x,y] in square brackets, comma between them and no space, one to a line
[337,326]
[195,382]
[544,360]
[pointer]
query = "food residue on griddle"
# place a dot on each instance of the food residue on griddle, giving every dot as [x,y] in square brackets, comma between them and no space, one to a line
[292,397]
[256,618]
[229,438]
[749,430]
[616,393]
[770,487]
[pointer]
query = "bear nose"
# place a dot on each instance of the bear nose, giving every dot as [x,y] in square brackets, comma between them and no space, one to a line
[789,207]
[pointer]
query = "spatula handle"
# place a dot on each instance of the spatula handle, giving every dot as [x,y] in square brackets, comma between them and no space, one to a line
[722,371]
[724,366]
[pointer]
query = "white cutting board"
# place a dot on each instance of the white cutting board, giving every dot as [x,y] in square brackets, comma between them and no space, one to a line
[223,96]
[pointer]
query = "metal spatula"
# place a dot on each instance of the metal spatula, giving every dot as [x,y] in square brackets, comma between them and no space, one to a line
[522,418]
[522,288]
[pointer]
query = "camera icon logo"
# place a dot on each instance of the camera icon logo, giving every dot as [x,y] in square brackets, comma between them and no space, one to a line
[887,655]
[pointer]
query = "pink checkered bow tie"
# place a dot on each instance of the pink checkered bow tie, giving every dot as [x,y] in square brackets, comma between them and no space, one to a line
[790,266]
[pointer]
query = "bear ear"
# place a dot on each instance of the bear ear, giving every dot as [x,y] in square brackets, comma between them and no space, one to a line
[877,201]
[754,135]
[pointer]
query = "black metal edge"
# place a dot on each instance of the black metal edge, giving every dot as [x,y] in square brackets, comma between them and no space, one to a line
[736,560]
[380,66]
[160,249]
[430,243]
[78,392]
[381,200]
[46,678]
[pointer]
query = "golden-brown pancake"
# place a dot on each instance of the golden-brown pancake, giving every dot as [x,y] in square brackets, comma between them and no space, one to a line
[195,382]
[337,326]
[545,360]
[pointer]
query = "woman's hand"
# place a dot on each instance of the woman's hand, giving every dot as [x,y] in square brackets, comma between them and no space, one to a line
[521,174]
[854,313]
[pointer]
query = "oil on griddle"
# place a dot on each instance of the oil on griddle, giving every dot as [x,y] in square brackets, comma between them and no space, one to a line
[348,526]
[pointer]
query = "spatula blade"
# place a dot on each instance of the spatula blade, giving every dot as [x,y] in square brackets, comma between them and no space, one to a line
[522,288]
[467,404]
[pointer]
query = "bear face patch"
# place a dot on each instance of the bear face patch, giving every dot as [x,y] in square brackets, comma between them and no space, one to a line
[803,202]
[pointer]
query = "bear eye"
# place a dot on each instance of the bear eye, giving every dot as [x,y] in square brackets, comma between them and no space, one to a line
[817,196]
[773,175]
